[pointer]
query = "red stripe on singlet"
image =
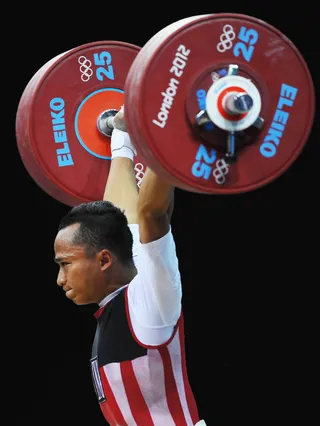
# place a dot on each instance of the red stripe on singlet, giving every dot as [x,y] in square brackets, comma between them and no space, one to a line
[139,408]
[110,408]
[173,400]
[189,394]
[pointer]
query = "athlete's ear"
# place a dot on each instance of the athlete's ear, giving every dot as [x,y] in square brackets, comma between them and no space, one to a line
[106,259]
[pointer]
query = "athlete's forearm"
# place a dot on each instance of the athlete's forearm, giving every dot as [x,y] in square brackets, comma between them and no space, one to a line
[155,204]
[121,188]
[156,194]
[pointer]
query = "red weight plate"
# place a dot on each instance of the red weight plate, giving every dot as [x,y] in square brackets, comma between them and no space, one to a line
[167,86]
[56,122]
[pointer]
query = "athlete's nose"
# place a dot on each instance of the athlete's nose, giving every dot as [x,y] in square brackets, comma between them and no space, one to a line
[61,279]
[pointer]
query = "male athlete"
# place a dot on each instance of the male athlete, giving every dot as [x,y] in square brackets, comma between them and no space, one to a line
[120,254]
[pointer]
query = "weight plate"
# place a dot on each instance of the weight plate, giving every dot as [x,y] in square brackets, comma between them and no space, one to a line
[168,84]
[56,122]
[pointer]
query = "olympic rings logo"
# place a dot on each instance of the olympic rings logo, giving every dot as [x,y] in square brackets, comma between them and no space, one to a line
[140,173]
[85,68]
[221,171]
[226,39]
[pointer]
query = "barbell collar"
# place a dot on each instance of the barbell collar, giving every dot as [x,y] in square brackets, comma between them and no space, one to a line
[105,122]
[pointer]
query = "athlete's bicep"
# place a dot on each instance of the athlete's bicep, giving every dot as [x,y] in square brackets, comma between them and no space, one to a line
[155,295]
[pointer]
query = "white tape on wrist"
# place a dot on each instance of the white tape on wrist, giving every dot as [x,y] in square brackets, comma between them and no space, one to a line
[121,145]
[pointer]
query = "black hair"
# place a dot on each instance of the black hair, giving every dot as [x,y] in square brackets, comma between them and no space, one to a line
[102,226]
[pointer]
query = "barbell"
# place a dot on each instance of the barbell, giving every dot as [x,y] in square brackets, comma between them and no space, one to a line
[216,104]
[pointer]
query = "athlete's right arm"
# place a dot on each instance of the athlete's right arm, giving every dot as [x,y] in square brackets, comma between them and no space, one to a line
[155,205]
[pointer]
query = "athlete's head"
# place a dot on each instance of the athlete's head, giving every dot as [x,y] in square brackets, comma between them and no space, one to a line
[92,245]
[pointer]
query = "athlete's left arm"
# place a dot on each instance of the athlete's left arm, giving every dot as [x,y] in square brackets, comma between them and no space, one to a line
[156,293]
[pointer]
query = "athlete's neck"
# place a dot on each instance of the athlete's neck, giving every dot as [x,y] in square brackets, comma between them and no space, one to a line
[121,277]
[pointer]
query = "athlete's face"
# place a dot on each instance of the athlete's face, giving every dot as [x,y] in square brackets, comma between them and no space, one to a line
[82,277]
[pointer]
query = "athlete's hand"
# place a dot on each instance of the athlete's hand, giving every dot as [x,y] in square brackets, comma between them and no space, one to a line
[119,121]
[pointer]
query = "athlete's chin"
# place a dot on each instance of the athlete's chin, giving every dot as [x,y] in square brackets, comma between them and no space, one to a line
[77,299]
[81,302]
[71,296]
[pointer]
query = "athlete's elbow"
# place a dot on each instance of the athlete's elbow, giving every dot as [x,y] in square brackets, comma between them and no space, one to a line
[149,210]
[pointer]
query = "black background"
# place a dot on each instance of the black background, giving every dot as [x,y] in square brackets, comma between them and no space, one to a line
[248,262]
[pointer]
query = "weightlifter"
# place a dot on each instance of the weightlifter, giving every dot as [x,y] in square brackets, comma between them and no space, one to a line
[120,254]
